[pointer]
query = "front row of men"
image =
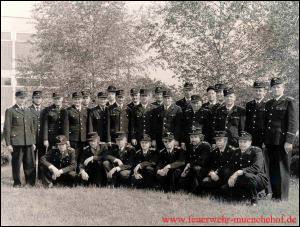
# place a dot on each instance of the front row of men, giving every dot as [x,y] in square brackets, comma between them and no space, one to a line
[224,170]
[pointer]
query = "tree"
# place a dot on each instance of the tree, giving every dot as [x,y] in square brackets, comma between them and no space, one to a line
[217,41]
[84,45]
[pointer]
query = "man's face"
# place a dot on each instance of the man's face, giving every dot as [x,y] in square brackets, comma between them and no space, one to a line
[145,99]
[195,139]
[158,97]
[277,90]
[111,96]
[244,144]
[187,92]
[86,101]
[37,100]
[211,95]
[167,101]
[221,142]
[196,104]
[121,142]
[220,96]
[259,93]
[230,99]
[62,147]
[58,101]
[169,144]
[145,145]
[120,99]
[102,101]
[94,143]
[135,98]
[77,101]
[20,101]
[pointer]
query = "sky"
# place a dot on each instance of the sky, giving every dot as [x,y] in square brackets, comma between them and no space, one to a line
[23,9]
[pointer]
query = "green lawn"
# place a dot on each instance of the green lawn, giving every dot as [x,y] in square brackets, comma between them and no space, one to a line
[105,206]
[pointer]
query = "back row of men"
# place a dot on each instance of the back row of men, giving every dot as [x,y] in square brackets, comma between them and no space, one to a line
[272,124]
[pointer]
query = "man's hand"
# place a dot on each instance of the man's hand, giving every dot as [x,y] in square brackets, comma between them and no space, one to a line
[153,143]
[166,168]
[288,147]
[161,172]
[186,170]
[138,176]
[232,180]
[46,143]
[33,147]
[84,175]
[183,146]
[214,176]
[10,148]
[118,161]
[111,173]
[59,173]
[88,160]
[136,169]
[134,142]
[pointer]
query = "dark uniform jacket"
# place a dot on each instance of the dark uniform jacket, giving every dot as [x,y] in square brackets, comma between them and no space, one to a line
[150,159]
[65,161]
[251,162]
[52,125]
[199,155]
[200,119]
[176,158]
[156,104]
[19,128]
[142,122]
[168,121]
[118,120]
[220,160]
[232,121]
[37,117]
[208,105]
[280,121]
[214,111]
[255,117]
[127,156]
[75,124]
[183,104]
[97,154]
[98,122]
[130,109]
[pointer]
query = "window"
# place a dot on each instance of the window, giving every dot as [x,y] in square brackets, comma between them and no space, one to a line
[5,81]
[5,35]
[6,55]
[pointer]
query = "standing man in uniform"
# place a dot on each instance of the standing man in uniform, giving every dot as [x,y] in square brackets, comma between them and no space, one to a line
[19,134]
[142,118]
[135,101]
[212,98]
[52,122]
[158,96]
[280,132]
[255,114]
[75,125]
[231,118]
[187,91]
[197,116]
[118,117]
[167,118]
[37,112]
[111,95]
[98,117]
[219,88]
[86,100]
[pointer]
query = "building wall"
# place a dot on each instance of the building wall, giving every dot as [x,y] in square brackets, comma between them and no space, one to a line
[15,34]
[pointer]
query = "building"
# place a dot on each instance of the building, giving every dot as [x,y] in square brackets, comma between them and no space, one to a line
[15,34]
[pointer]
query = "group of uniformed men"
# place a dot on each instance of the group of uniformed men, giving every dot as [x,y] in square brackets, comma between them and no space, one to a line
[215,146]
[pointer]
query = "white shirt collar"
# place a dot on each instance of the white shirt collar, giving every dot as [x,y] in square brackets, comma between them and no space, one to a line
[278,98]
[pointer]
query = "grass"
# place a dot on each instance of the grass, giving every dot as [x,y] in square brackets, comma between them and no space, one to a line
[122,206]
